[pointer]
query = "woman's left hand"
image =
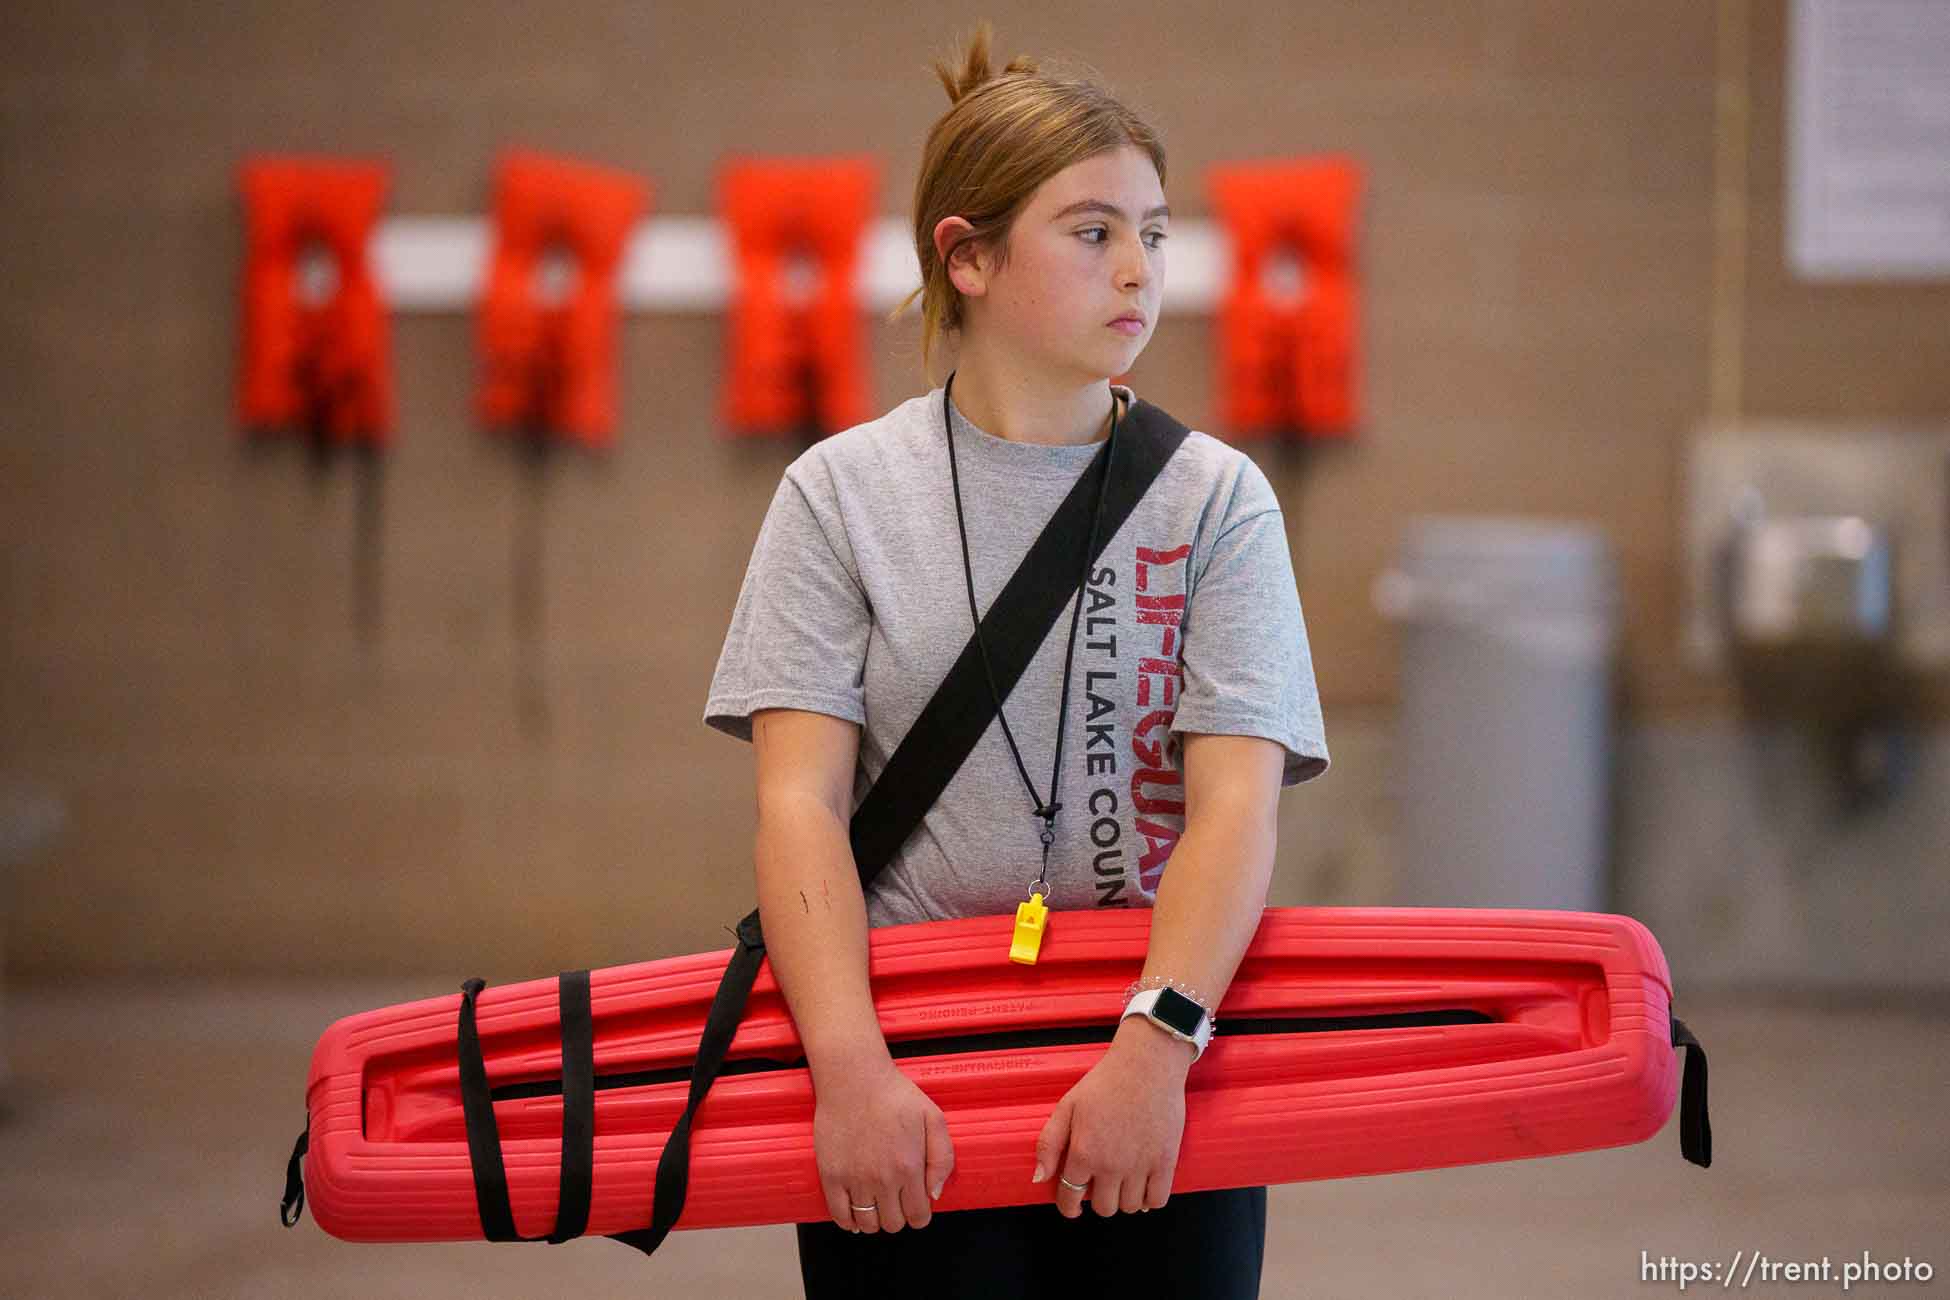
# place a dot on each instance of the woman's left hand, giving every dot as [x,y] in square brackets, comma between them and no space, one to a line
[1118,1129]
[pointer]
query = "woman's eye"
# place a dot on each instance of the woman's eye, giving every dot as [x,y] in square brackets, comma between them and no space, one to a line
[1159,235]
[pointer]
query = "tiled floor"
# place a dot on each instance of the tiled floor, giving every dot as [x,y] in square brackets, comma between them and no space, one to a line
[143,1147]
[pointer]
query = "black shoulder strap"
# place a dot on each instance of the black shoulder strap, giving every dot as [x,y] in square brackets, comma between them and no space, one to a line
[940,740]
[920,768]
[1014,628]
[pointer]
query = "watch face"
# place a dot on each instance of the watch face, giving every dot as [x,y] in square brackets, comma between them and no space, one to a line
[1178,1011]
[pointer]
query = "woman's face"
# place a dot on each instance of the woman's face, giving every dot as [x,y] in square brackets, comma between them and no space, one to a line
[1086,249]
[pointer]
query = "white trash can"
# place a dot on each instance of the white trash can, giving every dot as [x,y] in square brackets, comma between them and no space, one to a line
[1508,632]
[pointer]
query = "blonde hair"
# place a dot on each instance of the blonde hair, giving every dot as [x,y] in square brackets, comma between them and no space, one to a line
[1003,135]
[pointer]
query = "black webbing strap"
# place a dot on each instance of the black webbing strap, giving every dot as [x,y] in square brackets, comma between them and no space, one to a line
[293,1204]
[578,1116]
[727,1009]
[1695,1130]
[1014,628]
[935,747]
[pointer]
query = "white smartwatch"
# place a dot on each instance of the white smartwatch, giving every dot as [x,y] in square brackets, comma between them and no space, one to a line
[1175,1013]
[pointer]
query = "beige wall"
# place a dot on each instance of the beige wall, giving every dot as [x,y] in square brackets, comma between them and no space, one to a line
[252,788]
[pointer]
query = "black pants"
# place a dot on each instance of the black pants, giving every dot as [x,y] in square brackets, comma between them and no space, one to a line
[1198,1245]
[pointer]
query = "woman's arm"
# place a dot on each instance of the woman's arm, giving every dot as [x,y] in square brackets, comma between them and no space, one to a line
[809,896]
[883,1147]
[1214,889]
[1117,1132]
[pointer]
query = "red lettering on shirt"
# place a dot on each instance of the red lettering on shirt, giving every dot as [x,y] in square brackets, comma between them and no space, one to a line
[1157,786]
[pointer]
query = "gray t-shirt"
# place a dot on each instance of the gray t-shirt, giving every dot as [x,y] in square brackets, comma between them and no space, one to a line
[856,605]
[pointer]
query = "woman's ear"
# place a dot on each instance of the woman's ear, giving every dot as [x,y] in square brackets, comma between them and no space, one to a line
[967,268]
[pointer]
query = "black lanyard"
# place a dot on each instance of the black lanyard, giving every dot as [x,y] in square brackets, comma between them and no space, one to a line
[1045,811]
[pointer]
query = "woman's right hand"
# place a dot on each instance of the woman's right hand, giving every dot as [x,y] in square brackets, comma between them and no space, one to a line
[880,1141]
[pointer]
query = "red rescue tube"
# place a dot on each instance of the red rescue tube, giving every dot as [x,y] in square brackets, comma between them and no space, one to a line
[1358,1040]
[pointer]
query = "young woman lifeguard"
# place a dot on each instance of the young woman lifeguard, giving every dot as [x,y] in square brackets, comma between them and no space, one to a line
[1170,707]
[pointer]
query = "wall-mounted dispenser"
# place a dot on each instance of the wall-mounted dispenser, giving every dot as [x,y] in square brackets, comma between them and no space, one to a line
[1820,572]
[1810,580]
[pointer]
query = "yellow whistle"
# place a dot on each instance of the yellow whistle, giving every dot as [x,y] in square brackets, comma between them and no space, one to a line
[1030,918]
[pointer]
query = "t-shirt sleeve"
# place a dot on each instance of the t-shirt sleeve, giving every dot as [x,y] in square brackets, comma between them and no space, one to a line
[1248,670]
[798,634]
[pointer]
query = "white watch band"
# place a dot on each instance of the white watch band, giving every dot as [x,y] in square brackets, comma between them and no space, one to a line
[1143,1004]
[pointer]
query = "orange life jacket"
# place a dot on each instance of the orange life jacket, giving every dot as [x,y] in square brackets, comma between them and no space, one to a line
[1287,366]
[317,359]
[549,367]
[795,364]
